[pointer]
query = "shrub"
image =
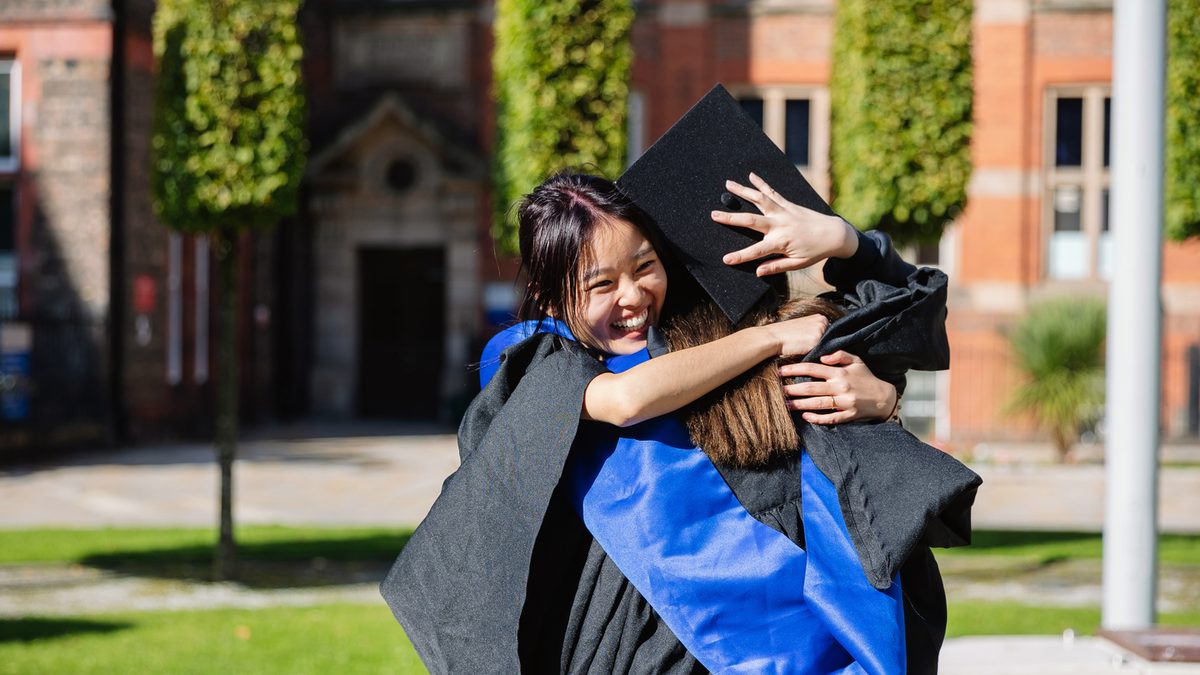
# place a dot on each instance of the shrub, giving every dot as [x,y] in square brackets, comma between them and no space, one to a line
[1059,348]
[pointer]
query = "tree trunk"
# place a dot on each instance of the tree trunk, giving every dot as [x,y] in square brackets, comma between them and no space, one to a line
[225,560]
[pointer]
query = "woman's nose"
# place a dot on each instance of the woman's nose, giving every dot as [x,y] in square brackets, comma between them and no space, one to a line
[631,293]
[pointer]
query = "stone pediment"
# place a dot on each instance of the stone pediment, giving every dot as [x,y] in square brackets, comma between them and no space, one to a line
[391,126]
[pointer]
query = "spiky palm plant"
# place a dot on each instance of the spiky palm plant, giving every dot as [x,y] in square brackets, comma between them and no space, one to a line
[1059,347]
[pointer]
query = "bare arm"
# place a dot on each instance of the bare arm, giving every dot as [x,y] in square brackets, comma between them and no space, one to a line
[673,380]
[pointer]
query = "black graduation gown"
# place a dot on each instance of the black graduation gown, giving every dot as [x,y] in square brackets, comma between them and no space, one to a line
[502,576]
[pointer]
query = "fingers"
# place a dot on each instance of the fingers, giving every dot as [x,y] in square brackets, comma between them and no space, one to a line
[840,358]
[752,221]
[752,252]
[829,418]
[808,370]
[769,192]
[782,265]
[813,403]
[750,194]
[819,388]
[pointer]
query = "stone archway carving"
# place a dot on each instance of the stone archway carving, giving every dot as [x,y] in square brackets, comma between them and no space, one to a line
[360,199]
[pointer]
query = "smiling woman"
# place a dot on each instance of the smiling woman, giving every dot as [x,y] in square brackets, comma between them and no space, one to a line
[592,263]
[624,286]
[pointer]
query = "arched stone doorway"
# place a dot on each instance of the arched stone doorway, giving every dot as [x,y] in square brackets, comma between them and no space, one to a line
[397,291]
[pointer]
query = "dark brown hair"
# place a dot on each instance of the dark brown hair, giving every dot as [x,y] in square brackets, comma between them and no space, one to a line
[555,222]
[743,422]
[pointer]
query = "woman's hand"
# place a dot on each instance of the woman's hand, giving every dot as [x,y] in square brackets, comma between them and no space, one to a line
[844,385]
[797,337]
[802,236]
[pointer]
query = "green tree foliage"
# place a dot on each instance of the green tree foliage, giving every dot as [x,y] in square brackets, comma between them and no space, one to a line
[562,80]
[1183,119]
[228,152]
[901,105]
[229,125]
[1059,348]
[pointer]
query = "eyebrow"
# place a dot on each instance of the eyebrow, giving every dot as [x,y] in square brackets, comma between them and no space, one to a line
[645,250]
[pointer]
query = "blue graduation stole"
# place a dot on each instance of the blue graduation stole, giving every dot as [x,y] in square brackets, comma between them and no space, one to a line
[740,596]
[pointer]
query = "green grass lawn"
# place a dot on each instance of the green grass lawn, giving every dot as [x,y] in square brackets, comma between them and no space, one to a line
[342,639]
[1010,618]
[1044,547]
[365,638]
[174,545]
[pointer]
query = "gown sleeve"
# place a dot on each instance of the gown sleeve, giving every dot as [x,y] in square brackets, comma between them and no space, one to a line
[896,492]
[876,258]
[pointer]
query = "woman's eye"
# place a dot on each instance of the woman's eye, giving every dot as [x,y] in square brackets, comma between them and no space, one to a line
[646,265]
[599,285]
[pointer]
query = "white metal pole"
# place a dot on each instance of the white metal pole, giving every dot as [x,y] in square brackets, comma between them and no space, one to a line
[1135,314]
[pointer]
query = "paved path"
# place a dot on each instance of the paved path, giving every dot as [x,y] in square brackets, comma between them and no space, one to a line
[1037,655]
[359,476]
[1064,497]
[381,476]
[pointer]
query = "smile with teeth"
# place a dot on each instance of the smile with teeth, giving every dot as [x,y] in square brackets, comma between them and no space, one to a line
[633,323]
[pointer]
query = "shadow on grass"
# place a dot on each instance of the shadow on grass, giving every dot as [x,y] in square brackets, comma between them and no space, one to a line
[42,628]
[1000,539]
[308,562]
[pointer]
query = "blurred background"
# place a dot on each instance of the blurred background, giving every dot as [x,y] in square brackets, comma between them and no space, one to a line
[111,312]
[414,117]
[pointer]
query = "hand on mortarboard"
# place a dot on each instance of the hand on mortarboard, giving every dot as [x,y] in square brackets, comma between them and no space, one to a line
[801,236]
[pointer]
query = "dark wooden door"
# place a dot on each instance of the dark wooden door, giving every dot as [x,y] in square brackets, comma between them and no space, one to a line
[402,317]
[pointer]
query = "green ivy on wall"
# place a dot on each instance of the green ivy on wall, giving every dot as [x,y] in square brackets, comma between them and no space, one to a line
[901,93]
[562,80]
[1183,119]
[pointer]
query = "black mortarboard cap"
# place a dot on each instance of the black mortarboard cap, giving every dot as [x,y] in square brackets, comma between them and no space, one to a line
[680,180]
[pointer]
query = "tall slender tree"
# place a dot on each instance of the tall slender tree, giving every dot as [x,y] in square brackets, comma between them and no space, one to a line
[228,156]
[1183,119]
[562,83]
[901,97]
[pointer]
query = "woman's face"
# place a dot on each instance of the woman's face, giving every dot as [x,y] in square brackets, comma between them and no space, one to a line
[622,287]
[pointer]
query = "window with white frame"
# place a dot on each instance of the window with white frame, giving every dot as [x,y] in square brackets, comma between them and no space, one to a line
[10,124]
[635,127]
[922,407]
[9,155]
[174,341]
[796,118]
[1075,205]
[8,253]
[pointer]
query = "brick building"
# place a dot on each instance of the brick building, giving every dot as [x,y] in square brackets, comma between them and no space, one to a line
[55,210]
[104,314]
[114,310]
[1036,223]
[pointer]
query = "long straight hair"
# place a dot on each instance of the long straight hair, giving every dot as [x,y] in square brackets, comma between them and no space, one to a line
[744,422]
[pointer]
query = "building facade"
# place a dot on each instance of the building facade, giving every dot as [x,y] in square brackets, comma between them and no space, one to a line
[104,312]
[1036,222]
[375,298]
